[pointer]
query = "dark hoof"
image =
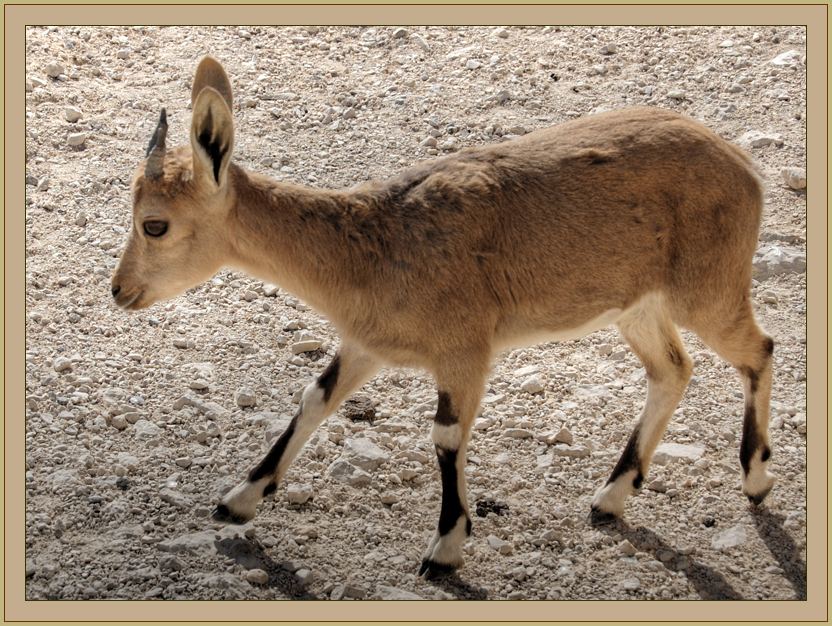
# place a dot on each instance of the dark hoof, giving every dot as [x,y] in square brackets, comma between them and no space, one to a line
[431,569]
[757,500]
[597,517]
[224,515]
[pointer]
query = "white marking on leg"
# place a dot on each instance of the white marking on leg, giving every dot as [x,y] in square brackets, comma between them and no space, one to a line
[446,436]
[759,480]
[447,549]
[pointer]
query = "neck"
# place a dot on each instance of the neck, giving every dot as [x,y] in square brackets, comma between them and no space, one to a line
[298,238]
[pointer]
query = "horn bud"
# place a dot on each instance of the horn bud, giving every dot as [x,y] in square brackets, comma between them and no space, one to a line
[156,150]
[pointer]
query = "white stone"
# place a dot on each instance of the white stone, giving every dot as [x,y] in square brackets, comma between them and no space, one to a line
[794,177]
[54,69]
[532,385]
[177,499]
[526,371]
[245,397]
[306,346]
[518,433]
[299,494]
[144,429]
[257,576]
[730,538]
[62,364]
[72,114]
[772,259]
[365,454]
[790,57]
[564,436]
[345,472]
[577,452]
[76,139]
[758,139]
[667,452]
[501,546]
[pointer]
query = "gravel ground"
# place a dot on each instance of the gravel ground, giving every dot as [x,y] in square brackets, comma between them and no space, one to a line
[136,423]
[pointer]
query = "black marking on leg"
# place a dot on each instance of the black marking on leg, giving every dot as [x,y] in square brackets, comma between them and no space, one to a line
[629,461]
[269,489]
[750,438]
[753,378]
[768,346]
[223,514]
[268,465]
[766,455]
[674,355]
[329,378]
[444,414]
[451,506]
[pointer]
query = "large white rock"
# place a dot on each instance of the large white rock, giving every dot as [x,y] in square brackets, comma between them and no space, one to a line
[730,538]
[772,259]
[789,57]
[668,452]
[365,454]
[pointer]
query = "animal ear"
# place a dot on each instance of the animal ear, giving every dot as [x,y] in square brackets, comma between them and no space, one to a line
[209,73]
[212,136]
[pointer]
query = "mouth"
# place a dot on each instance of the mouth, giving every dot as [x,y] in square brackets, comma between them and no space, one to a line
[130,302]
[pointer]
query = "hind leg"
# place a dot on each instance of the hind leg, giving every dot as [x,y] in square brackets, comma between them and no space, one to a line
[648,329]
[744,345]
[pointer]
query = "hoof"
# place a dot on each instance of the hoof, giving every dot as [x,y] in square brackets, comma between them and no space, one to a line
[757,499]
[432,570]
[597,517]
[224,515]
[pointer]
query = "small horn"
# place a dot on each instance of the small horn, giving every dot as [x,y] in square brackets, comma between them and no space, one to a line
[156,150]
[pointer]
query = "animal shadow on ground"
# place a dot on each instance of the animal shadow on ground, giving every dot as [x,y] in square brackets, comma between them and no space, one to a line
[709,583]
[782,547]
[451,583]
[250,554]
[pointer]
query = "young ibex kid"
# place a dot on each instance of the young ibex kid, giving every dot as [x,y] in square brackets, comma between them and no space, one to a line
[640,218]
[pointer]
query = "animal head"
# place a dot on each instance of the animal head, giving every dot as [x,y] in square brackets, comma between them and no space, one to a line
[181,201]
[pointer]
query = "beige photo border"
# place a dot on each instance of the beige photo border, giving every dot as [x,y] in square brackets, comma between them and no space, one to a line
[813,16]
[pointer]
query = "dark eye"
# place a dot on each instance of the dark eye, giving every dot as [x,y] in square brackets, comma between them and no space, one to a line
[155,228]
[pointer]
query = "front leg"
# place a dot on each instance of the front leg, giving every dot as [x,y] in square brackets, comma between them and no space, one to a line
[350,369]
[458,404]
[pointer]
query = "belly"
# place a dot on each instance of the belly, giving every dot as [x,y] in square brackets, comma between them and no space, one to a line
[518,338]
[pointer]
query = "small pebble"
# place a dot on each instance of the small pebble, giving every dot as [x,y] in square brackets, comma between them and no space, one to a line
[794,177]
[306,346]
[76,139]
[503,547]
[72,114]
[245,398]
[532,385]
[257,576]
[299,494]
[54,69]
[62,364]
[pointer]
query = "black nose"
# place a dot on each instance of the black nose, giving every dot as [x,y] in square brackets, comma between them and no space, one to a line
[115,290]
